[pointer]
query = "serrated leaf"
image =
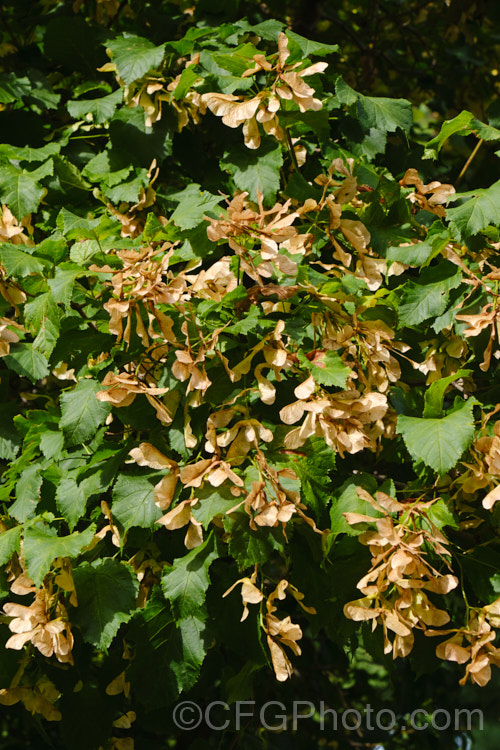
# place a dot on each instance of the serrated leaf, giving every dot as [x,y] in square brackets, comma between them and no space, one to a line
[434,394]
[106,591]
[440,515]
[252,171]
[133,502]
[9,543]
[427,300]
[134,56]
[186,582]
[38,309]
[81,412]
[193,205]
[377,112]
[423,252]
[41,546]
[27,362]
[100,110]
[212,501]
[27,493]
[46,338]
[71,500]
[439,443]
[481,209]
[459,124]
[308,47]
[194,647]
[17,263]
[327,369]
[26,153]
[13,87]
[62,284]
[346,500]
[19,191]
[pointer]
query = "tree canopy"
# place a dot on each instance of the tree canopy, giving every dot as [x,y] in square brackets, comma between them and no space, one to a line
[249,354]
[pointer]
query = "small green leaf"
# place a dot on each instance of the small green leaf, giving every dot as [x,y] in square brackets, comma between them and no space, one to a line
[99,110]
[27,493]
[106,591]
[9,543]
[481,209]
[134,56]
[41,546]
[186,582]
[252,171]
[347,500]
[19,191]
[439,443]
[212,501]
[71,500]
[434,394]
[326,369]
[17,263]
[308,48]
[81,412]
[133,502]
[193,205]
[27,362]
[461,124]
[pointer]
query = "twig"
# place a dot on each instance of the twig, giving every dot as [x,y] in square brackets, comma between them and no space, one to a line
[469,160]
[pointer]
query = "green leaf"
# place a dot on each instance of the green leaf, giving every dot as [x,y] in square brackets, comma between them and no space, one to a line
[27,493]
[99,110]
[439,443]
[308,48]
[41,546]
[26,153]
[194,647]
[193,205]
[17,263]
[423,252]
[81,412]
[19,191]
[471,217]
[133,502]
[27,362]
[440,515]
[9,543]
[463,124]
[426,300]
[106,591]
[134,56]
[378,112]
[252,171]
[249,547]
[62,284]
[186,582]
[386,115]
[46,338]
[434,394]
[13,87]
[37,310]
[212,501]
[71,500]
[460,124]
[327,369]
[346,500]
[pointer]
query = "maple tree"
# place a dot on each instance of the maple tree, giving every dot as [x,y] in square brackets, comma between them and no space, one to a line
[246,360]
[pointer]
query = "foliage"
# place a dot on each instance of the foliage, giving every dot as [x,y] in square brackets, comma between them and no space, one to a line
[245,352]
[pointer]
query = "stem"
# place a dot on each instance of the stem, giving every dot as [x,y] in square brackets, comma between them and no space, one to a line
[469,160]
[291,150]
